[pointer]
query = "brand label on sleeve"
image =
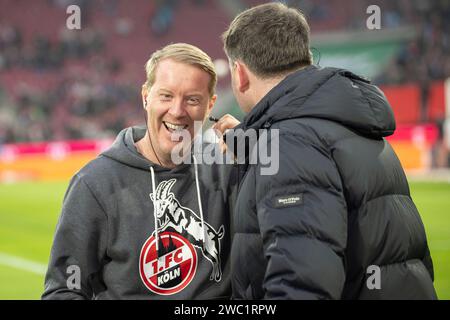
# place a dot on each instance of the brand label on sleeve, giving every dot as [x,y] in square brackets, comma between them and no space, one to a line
[288,201]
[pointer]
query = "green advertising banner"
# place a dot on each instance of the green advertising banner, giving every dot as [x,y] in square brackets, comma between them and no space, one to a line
[368,59]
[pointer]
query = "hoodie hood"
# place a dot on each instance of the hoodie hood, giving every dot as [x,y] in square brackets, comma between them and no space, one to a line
[327,93]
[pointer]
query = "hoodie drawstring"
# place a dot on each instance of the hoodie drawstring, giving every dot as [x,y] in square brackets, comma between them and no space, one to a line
[197,184]
[155,207]
[156,203]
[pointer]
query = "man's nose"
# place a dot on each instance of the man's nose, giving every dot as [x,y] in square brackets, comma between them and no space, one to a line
[177,109]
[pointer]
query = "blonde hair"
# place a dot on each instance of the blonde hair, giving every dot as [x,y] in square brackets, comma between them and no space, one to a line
[183,53]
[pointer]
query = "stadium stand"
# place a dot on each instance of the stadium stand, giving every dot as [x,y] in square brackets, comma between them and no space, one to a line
[80,84]
[59,84]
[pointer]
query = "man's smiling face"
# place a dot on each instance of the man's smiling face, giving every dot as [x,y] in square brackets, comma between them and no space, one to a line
[178,97]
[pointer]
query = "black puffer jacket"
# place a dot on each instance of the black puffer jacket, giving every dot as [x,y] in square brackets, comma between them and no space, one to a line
[339,203]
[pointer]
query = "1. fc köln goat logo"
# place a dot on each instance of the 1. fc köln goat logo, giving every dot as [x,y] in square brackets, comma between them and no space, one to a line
[174,269]
[169,267]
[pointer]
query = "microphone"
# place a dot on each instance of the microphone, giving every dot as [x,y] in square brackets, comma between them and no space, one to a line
[213,119]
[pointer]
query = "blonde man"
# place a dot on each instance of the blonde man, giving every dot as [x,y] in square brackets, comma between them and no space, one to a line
[135,224]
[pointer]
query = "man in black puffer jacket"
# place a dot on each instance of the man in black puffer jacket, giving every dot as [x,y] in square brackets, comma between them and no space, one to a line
[337,220]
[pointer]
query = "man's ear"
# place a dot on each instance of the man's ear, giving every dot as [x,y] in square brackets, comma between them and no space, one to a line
[242,76]
[211,103]
[144,93]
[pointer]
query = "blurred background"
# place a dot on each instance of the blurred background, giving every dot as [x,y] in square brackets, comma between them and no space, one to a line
[65,94]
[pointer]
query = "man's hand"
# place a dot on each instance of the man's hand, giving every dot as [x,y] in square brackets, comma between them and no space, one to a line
[226,122]
[222,125]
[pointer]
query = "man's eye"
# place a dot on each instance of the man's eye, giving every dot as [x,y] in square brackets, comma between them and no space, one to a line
[165,97]
[193,101]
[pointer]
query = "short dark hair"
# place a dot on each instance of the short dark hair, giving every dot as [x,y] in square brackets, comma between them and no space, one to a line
[271,39]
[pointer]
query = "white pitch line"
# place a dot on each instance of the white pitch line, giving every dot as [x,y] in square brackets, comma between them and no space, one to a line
[23,264]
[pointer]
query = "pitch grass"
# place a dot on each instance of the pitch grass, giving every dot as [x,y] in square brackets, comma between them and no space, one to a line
[29,212]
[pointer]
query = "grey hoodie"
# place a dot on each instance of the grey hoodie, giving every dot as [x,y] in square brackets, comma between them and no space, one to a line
[106,245]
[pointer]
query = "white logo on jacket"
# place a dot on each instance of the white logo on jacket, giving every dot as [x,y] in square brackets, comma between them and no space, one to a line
[171,214]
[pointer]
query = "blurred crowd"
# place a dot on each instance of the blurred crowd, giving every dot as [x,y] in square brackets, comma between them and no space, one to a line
[80,106]
[161,21]
[90,104]
[44,54]
[427,56]
[84,102]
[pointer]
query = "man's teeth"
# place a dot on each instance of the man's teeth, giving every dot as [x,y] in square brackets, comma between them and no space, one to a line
[175,126]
